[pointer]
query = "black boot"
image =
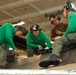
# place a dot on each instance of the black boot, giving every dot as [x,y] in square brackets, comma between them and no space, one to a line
[53,60]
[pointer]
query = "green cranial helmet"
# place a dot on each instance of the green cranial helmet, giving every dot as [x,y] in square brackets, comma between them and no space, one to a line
[70,6]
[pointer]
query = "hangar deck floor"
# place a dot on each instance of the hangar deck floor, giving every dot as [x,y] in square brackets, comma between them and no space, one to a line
[68,63]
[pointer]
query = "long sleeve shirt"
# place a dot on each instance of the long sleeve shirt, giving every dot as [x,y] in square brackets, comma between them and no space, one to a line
[7,32]
[72,24]
[61,27]
[34,41]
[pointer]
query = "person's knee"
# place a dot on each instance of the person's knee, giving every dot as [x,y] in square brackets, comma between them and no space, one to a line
[29,52]
[29,55]
[70,36]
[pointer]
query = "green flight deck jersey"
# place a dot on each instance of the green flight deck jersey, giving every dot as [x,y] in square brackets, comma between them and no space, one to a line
[34,41]
[7,32]
[72,24]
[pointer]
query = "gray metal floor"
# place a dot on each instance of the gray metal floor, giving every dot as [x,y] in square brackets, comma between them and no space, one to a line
[68,57]
[27,63]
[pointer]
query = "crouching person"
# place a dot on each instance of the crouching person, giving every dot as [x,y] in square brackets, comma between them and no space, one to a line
[68,37]
[7,32]
[36,40]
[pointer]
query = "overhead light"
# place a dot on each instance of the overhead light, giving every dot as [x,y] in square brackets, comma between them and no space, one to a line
[19,24]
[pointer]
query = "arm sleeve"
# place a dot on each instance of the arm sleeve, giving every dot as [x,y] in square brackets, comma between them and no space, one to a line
[52,35]
[47,40]
[8,37]
[6,46]
[71,27]
[28,41]
[66,26]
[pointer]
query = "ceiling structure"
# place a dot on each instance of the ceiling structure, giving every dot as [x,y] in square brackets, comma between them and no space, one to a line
[30,11]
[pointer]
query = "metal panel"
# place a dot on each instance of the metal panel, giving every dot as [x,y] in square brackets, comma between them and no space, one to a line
[3,16]
[9,1]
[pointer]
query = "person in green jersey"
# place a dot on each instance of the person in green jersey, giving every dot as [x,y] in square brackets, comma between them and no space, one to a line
[7,32]
[36,40]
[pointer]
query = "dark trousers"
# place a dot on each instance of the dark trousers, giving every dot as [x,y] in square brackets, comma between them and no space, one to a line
[64,40]
[68,47]
[31,51]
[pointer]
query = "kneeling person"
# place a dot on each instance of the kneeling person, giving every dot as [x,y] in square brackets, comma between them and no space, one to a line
[36,40]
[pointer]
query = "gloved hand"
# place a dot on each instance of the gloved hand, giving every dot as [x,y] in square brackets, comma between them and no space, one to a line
[46,47]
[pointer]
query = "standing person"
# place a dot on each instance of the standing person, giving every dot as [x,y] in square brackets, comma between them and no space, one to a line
[36,40]
[7,32]
[59,27]
[69,36]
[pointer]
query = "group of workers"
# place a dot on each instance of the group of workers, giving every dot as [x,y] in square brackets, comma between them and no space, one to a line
[62,34]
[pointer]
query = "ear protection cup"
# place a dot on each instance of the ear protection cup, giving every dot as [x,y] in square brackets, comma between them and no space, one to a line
[58,18]
[68,5]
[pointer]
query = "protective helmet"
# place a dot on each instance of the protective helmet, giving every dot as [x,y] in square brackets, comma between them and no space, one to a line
[53,16]
[35,27]
[23,29]
[70,6]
